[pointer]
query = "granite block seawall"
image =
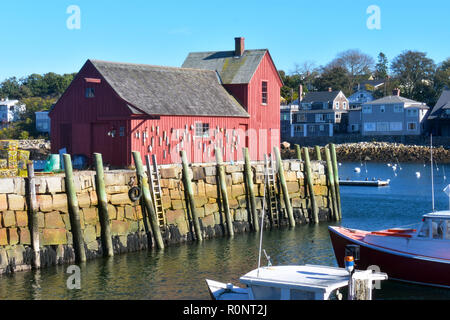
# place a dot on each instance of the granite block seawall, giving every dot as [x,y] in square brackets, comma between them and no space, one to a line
[126,217]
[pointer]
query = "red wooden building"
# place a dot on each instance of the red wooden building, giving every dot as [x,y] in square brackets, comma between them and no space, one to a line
[227,99]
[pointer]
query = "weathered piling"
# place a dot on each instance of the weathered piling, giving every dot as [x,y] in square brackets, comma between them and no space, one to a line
[331,185]
[223,191]
[249,183]
[298,152]
[287,200]
[33,217]
[336,177]
[318,154]
[190,197]
[74,214]
[105,228]
[309,181]
[147,200]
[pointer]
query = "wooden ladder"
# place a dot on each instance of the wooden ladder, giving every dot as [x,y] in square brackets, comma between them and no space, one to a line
[271,190]
[155,186]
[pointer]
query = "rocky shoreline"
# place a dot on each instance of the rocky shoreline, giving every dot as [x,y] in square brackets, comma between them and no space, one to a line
[381,152]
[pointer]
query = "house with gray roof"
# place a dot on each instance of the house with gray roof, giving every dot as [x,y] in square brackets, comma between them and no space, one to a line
[321,113]
[393,115]
[439,118]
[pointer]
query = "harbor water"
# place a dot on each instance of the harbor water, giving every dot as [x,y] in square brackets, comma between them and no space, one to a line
[179,272]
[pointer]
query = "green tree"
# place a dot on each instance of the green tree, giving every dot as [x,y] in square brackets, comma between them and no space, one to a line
[414,70]
[382,67]
[334,77]
[442,76]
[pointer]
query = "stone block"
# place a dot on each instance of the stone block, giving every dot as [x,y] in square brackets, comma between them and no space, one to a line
[3,237]
[112,212]
[237,177]
[170,173]
[119,227]
[173,216]
[89,234]
[84,200]
[183,227]
[200,188]
[198,173]
[200,201]
[116,189]
[9,219]
[295,166]
[237,190]
[66,219]
[211,208]
[211,180]
[3,202]
[176,194]
[292,187]
[290,176]
[130,213]
[94,198]
[210,171]
[24,236]
[211,190]
[232,168]
[120,199]
[178,204]
[112,179]
[166,201]
[90,215]
[45,202]
[22,218]
[320,190]
[16,202]
[54,184]
[60,202]
[41,185]
[7,185]
[54,237]
[208,221]
[168,183]
[120,213]
[53,220]
[41,219]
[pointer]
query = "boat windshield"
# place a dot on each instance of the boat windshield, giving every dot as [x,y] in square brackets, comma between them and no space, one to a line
[438,228]
[425,229]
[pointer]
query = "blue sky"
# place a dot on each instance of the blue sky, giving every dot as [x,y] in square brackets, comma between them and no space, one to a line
[35,39]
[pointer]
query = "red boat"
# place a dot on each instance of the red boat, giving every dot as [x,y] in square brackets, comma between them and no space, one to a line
[419,256]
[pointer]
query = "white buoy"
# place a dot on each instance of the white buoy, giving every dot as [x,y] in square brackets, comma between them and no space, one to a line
[388,164]
[418,175]
[357,170]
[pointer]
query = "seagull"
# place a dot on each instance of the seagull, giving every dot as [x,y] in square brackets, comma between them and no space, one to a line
[357,170]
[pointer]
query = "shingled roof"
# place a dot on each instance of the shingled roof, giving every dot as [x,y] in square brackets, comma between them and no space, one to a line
[398,99]
[320,96]
[231,68]
[157,90]
[441,105]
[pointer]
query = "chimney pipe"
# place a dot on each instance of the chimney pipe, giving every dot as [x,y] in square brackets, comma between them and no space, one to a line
[300,94]
[239,46]
[396,92]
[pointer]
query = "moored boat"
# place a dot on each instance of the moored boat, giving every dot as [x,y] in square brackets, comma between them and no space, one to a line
[413,255]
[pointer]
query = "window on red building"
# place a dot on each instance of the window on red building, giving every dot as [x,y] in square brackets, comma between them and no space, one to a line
[264,92]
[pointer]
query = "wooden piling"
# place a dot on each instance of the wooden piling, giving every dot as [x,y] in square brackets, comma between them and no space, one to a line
[298,152]
[336,178]
[223,191]
[105,228]
[331,182]
[309,181]
[190,194]
[318,154]
[251,194]
[147,200]
[74,213]
[287,199]
[32,217]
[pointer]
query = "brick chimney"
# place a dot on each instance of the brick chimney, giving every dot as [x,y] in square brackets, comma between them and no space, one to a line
[239,46]
[396,92]
[300,93]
